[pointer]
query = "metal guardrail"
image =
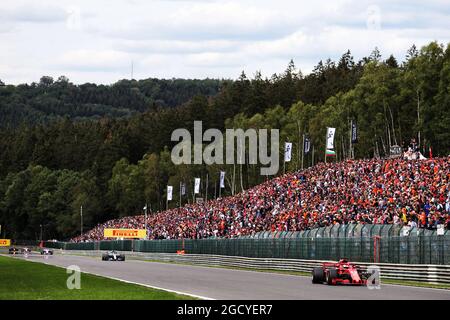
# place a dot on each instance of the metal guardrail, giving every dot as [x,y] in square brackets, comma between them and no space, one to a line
[377,243]
[438,274]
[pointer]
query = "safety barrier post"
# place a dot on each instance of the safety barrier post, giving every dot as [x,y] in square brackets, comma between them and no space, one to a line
[376,253]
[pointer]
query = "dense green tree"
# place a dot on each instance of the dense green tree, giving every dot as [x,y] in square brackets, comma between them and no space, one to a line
[39,198]
[107,148]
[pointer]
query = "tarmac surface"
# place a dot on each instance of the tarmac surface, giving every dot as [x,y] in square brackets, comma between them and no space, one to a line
[220,283]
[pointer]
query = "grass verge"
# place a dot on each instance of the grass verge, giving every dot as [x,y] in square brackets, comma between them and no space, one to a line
[24,280]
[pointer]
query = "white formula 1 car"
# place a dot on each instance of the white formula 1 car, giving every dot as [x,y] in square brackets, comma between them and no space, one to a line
[46,251]
[113,256]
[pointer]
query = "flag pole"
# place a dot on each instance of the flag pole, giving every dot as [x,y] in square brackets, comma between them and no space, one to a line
[206,197]
[300,147]
[81,220]
[145,220]
[326,138]
[303,149]
[351,146]
[167,198]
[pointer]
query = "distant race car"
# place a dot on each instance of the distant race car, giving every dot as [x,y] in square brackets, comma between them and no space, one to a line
[113,256]
[342,272]
[46,251]
[26,250]
[14,250]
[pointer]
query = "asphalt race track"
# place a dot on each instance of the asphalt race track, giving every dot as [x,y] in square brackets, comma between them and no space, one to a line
[220,283]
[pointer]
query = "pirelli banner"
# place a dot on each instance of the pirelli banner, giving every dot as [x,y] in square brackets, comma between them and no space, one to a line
[5,242]
[125,233]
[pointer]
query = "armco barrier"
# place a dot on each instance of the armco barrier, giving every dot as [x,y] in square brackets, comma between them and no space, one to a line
[416,248]
[407,272]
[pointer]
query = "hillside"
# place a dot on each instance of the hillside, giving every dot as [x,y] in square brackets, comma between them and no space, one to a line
[112,165]
[50,100]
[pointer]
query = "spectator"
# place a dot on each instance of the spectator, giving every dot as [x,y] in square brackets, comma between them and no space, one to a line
[395,191]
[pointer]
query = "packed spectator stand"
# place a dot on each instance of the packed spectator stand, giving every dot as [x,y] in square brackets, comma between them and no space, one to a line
[375,191]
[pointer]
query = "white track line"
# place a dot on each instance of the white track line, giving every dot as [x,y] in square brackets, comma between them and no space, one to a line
[221,267]
[278,273]
[122,280]
[153,287]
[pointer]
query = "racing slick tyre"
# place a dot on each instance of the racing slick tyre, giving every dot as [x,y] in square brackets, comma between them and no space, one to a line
[318,275]
[104,258]
[331,275]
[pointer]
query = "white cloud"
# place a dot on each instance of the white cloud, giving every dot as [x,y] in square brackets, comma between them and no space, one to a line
[176,46]
[96,41]
[30,12]
[106,60]
[198,21]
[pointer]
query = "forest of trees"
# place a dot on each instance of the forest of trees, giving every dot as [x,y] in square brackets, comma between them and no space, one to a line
[55,155]
[50,100]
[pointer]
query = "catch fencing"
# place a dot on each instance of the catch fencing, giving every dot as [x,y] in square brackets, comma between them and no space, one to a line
[390,244]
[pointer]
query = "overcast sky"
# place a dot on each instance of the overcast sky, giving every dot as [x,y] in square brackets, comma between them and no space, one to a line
[96,41]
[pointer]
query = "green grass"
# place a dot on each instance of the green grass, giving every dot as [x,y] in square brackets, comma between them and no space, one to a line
[24,280]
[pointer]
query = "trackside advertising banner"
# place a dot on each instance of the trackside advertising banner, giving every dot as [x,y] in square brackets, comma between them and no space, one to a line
[287,151]
[197,185]
[125,233]
[330,138]
[5,242]
[222,179]
[169,192]
[354,132]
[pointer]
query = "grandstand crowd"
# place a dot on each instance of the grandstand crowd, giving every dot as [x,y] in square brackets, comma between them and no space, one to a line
[375,191]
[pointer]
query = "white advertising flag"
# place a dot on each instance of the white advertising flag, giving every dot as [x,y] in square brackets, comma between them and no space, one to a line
[330,138]
[222,179]
[197,186]
[169,193]
[440,230]
[287,151]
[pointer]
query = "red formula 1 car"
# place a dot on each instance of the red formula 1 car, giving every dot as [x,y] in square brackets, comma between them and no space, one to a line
[342,272]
